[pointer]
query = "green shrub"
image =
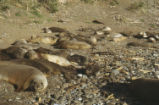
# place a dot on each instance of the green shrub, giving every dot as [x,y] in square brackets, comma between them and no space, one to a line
[88,1]
[136,5]
[51,5]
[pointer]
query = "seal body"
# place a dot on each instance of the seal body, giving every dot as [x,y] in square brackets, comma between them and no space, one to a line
[22,76]
[49,68]
[145,89]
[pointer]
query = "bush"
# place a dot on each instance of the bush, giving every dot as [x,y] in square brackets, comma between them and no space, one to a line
[51,5]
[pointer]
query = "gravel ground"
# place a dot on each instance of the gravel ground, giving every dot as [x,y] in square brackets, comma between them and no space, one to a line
[110,67]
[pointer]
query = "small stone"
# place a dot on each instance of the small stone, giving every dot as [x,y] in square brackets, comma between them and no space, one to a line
[115,72]
[107,29]
[157,37]
[17,98]
[125,103]
[80,75]
[157,74]
[118,37]
[93,40]
[143,34]
[10,100]
[152,39]
[99,32]
[85,77]
[80,99]
[38,99]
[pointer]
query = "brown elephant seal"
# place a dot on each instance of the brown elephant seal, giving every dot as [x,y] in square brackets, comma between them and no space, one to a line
[48,68]
[145,89]
[44,39]
[15,52]
[22,76]
[53,29]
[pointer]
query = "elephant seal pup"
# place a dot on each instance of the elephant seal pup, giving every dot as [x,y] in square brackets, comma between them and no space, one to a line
[145,89]
[22,76]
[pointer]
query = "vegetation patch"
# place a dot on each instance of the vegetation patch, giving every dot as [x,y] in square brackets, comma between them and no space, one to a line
[51,5]
[114,2]
[88,1]
[136,5]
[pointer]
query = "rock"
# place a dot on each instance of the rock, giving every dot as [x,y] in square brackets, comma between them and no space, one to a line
[97,22]
[81,60]
[143,34]
[80,75]
[93,40]
[118,37]
[107,29]
[157,37]
[115,72]
[152,39]
[99,32]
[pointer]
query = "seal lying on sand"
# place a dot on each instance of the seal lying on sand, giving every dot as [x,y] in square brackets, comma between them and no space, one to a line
[22,76]
[48,68]
[145,89]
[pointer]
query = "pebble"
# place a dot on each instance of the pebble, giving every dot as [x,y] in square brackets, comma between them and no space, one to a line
[117,37]
[93,40]
[4,35]
[143,34]
[115,72]
[17,98]
[80,99]
[157,37]
[80,75]
[107,29]
[157,74]
[152,39]
[10,100]
[99,32]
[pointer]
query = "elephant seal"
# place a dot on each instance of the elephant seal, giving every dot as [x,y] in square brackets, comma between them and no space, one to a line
[48,68]
[22,76]
[145,89]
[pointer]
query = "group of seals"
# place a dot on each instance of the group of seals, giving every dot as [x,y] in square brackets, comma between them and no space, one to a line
[29,68]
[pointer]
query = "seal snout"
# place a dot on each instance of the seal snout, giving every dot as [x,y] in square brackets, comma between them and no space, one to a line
[39,83]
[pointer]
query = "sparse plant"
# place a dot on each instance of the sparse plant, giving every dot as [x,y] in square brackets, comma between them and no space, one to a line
[51,5]
[18,14]
[88,1]
[5,7]
[37,21]
[36,13]
[114,2]
[136,5]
